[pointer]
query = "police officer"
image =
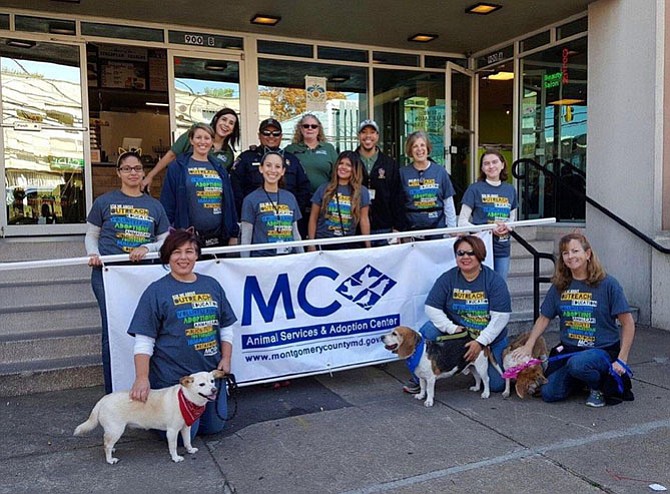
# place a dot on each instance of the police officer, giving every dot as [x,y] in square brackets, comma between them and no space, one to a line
[381,176]
[246,176]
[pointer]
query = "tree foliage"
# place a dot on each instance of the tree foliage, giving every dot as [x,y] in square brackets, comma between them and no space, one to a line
[286,103]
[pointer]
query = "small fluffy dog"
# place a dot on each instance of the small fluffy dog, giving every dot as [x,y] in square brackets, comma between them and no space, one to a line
[171,409]
[529,378]
[438,360]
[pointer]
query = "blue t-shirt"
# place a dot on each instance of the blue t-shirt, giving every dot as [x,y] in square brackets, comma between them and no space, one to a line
[205,192]
[126,222]
[185,320]
[587,314]
[272,215]
[425,194]
[336,220]
[491,203]
[469,303]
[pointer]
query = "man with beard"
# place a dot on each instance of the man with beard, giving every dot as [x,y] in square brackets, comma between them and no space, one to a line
[382,178]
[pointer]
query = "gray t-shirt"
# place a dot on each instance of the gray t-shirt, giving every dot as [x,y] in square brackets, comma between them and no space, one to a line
[205,193]
[126,222]
[336,220]
[272,215]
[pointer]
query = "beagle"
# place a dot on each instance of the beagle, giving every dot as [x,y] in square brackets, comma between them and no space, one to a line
[432,360]
[527,372]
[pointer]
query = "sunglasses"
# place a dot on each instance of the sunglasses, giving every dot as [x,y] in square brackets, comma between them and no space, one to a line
[273,133]
[310,126]
[461,253]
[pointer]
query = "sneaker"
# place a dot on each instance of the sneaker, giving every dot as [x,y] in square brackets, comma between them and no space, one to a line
[412,387]
[596,399]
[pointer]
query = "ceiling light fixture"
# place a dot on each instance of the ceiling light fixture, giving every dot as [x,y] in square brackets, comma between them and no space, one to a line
[482,8]
[265,20]
[62,28]
[338,78]
[151,103]
[566,102]
[67,1]
[501,76]
[422,38]
[215,65]
[21,43]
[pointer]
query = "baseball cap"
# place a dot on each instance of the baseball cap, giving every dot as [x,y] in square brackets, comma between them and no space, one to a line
[368,123]
[269,122]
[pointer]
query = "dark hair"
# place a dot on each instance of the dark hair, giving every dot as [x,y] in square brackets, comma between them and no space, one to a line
[355,182]
[176,239]
[476,243]
[202,126]
[503,172]
[127,154]
[277,153]
[234,138]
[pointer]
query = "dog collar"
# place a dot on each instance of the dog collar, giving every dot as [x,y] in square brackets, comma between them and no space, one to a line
[189,410]
[413,360]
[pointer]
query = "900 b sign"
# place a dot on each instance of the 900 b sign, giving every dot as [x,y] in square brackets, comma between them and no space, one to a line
[199,39]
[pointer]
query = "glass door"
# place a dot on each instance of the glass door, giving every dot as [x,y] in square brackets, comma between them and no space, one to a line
[44,138]
[202,85]
[459,129]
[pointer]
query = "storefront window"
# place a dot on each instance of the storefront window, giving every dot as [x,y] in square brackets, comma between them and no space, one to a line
[553,132]
[43,133]
[406,101]
[281,94]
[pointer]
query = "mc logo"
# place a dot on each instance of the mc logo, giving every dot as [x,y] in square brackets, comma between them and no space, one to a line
[282,291]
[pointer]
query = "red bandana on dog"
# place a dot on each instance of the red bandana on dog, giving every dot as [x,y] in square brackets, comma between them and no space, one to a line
[190,411]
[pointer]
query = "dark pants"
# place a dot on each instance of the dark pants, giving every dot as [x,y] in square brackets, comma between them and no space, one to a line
[99,292]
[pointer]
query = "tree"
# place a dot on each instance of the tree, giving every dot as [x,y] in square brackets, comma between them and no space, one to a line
[286,102]
[222,92]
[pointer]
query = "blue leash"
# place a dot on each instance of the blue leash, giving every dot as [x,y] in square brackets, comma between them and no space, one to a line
[613,373]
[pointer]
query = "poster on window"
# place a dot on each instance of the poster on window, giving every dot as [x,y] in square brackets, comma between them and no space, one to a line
[315,92]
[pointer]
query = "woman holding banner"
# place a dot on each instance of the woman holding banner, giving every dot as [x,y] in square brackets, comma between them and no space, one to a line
[182,324]
[123,221]
[483,319]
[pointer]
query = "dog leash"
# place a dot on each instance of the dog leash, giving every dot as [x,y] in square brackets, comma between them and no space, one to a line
[231,391]
[617,378]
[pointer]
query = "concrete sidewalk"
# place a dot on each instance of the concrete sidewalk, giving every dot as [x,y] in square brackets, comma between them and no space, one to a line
[356,432]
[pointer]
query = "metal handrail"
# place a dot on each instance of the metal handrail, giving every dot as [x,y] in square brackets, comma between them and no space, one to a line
[557,179]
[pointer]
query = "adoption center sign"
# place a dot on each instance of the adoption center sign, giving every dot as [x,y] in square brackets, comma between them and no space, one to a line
[300,314]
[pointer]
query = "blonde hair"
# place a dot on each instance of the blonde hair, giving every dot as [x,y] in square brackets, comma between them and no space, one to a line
[356,183]
[595,272]
[297,135]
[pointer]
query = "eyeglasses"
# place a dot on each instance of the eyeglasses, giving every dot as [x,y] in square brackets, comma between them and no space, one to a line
[461,253]
[310,126]
[128,169]
[273,133]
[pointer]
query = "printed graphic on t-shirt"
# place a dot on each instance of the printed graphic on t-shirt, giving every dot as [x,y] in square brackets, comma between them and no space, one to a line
[278,221]
[208,188]
[496,208]
[472,309]
[200,319]
[577,314]
[134,226]
[338,214]
[424,194]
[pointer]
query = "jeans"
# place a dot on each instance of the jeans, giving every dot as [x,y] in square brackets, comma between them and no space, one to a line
[496,382]
[586,367]
[99,292]
[501,266]
[380,243]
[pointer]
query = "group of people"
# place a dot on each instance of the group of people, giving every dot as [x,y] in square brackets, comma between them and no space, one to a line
[271,196]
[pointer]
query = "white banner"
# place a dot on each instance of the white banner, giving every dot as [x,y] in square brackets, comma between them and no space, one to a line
[301,314]
[315,93]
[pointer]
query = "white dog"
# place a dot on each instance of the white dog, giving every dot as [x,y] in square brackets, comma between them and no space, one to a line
[161,411]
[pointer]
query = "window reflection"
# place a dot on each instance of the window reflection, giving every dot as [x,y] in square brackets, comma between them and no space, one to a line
[43,133]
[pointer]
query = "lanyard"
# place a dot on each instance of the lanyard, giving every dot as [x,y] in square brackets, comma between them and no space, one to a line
[275,205]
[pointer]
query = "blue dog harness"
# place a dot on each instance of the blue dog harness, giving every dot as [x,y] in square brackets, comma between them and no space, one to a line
[413,360]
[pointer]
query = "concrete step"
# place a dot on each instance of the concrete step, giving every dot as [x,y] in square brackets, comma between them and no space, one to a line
[38,248]
[44,320]
[16,297]
[31,347]
[50,375]
[45,275]
[519,250]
